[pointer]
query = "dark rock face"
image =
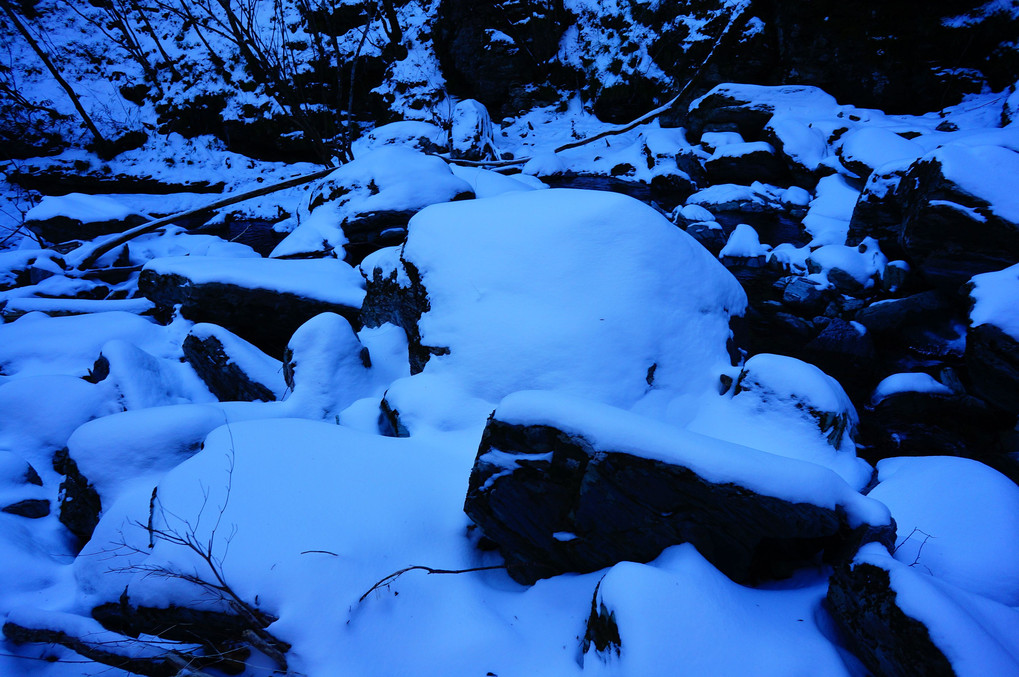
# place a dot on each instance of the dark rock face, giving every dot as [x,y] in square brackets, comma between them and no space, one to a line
[80,505]
[888,641]
[949,233]
[879,213]
[566,506]
[227,381]
[387,300]
[267,318]
[32,508]
[932,424]
[993,360]
[479,61]
[841,351]
[370,231]
[757,164]
[60,229]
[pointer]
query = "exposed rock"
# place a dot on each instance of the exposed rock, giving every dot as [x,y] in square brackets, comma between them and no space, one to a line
[395,295]
[932,424]
[847,353]
[749,107]
[32,508]
[556,501]
[261,300]
[993,360]
[745,163]
[890,642]
[220,358]
[961,206]
[80,505]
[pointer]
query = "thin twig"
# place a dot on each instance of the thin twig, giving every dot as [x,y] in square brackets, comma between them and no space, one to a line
[396,574]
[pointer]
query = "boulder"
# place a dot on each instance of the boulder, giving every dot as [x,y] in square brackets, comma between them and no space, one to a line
[777,381]
[395,296]
[261,300]
[900,622]
[365,204]
[914,423]
[562,485]
[961,206]
[744,163]
[868,148]
[748,108]
[326,368]
[992,340]
[846,352]
[79,217]
[232,368]
[879,212]
[516,282]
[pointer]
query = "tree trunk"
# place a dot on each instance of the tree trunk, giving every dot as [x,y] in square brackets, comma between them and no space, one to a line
[5,4]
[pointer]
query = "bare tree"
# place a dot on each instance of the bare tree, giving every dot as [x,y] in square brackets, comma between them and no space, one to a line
[5,5]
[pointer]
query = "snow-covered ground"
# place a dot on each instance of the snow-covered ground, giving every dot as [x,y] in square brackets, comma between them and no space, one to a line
[126,484]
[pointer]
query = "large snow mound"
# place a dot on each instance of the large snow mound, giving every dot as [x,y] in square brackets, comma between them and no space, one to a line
[954,516]
[590,292]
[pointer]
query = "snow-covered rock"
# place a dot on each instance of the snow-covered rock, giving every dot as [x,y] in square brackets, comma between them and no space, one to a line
[232,368]
[992,340]
[562,484]
[962,212]
[950,514]
[583,291]
[365,204]
[261,300]
[898,620]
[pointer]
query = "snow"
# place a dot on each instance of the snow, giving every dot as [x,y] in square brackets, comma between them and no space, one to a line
[951,514]
[986,172]
[996,299]
[390,178]
[743,243]
[37,344]
[566,289]
[875,147]
[363,512]
[679,615]
[328,280]
[915,382]
[80,207]
[827,220]
[610,429]
[486,183]
[863,266]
